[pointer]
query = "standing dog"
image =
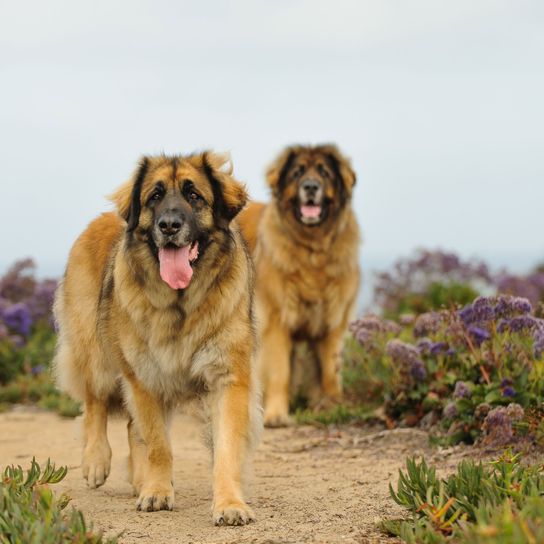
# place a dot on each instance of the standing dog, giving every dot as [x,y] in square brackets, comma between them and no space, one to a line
[305,248]
[156,307]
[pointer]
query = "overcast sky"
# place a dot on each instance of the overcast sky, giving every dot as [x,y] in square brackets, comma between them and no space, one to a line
[438,103]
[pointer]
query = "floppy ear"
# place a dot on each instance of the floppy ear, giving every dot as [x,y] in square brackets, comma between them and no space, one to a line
[127,197]
[277,172]
[229,195]
[342,167]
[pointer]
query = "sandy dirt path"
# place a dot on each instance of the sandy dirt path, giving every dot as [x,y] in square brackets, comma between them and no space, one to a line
[309,484]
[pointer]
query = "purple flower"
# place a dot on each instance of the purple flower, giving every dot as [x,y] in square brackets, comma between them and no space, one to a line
[407,319]
[478,334]
[519,324]
[36,370]
[424,345]
[366,328]
[480,311]
[508,306]
[508,392]
[450,410]
[41,302]
[418,370]
[497,428]
[429,323]
[17,318]
[530,287]
[407,357]
[462,391]
[438,347]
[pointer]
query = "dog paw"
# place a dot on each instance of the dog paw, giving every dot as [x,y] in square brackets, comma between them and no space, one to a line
[237,513]
[155,498]
[277,420]
[96,464]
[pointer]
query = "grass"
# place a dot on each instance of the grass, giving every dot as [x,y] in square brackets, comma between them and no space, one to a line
[337,415]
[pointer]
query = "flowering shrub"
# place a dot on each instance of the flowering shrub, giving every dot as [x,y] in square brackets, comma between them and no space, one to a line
[477,372]
[429,280]
[530,286]
[27,335]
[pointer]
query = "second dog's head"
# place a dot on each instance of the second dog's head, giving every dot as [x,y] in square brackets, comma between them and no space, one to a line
[312,184]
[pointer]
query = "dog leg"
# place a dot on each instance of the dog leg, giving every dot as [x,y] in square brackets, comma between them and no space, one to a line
[274,364]
[137,459]
[230,422]
[96,451]
[329,353]
[150,417]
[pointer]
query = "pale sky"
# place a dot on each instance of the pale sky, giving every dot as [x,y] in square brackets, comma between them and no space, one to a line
[438,103]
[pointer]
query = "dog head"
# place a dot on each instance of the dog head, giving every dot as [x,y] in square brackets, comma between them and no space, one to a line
[311,183]
[177,205]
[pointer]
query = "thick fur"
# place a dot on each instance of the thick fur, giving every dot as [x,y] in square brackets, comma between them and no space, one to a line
[307,276]
[123,332]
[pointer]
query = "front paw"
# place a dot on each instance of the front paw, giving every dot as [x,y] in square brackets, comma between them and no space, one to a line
[155,497]
[96,464]
[274,419]
[233,513]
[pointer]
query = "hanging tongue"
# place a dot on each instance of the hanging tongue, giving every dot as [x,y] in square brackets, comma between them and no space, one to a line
[175,267]
[310,211]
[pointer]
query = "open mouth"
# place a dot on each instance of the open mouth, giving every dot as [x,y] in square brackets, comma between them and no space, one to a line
[176,264]
[310,211]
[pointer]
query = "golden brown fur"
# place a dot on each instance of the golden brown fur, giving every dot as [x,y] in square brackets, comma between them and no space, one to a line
[307,276]
[123,330]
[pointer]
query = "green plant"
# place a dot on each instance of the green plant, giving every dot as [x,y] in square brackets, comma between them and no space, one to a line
[39,388]
[503,493]
[337,415]
[31,513]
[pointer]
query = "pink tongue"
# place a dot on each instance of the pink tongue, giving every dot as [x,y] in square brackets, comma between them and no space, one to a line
[174,266]
[310,211]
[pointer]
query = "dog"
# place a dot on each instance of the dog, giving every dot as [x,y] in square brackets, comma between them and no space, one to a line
[305,248]
[155,308]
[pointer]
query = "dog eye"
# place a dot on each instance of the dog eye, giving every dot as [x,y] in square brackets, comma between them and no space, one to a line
[298,172]
[156,195]
[194,196]
[322,171]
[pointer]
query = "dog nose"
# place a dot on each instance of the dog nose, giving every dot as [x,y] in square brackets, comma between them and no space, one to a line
[311,187]
[170,222]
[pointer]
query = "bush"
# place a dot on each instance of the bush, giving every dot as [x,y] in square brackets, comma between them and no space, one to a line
[430,280]
[479,503]
[27,336]
[38,389]
[31,513]
[479,369]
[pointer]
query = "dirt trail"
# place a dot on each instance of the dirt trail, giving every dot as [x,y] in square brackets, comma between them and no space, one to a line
[309,484]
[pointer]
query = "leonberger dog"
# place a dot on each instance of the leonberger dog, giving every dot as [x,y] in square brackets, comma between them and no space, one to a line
[305,247]
[155,308]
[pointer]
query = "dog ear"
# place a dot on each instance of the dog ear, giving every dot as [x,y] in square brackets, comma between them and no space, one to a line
[342,167]
[276,174]
[229,195]
[127,197]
